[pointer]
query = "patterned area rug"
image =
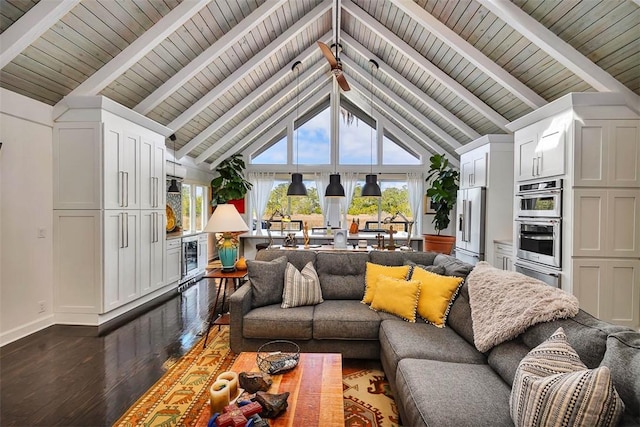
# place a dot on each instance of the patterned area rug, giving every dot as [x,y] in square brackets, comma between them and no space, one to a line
[181,396]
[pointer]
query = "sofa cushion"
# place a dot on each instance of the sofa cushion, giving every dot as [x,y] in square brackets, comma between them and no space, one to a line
[274,322]
[505,358]
[436,295]
[298,258]
[623,359]
[459,318]
[400,340]
[399,258]
[586,334]
[342,277]
[267,280]
[375,271]
[436,393]
[397,296]
[345,320]
[437,269]
[301,287]
[552,387]
[453,266]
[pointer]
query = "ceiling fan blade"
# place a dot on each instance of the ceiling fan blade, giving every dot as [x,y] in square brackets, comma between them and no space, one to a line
[342,81]
[326,51]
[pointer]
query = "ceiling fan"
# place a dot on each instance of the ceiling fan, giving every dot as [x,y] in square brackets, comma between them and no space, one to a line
[334,59]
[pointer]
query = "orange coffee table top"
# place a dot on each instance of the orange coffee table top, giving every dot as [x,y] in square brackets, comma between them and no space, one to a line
[315,388]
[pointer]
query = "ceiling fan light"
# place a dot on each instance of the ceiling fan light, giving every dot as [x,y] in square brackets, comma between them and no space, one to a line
[371,187]
[296,188]
[335,188]
[173,187]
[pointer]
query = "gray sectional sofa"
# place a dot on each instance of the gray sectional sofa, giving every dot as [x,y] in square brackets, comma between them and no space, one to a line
[436,374]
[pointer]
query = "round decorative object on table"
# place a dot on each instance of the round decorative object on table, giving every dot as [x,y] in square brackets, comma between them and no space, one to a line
[241,264]
[276,357]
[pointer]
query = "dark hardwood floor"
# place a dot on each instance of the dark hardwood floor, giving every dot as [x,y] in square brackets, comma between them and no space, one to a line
[72,376]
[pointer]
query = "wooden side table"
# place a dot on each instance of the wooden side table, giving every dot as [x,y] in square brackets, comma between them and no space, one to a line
[235,278]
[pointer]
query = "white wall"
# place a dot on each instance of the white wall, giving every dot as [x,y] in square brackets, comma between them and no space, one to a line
[26,207]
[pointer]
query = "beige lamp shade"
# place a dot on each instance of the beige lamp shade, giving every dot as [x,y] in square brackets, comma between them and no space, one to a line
[226,219]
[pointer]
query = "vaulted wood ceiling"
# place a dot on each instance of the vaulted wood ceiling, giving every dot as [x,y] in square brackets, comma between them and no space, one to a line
[218,72]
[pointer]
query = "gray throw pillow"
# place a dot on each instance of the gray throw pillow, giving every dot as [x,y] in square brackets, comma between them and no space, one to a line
[623,359]
[436,269]
[267,281]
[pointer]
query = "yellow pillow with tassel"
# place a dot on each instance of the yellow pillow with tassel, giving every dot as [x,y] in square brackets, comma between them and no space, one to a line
[374,271]
[397,296]
[436,295]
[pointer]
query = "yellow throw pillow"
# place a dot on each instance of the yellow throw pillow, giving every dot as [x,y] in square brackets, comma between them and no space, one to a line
[436,295]
[397,296]
[374,271]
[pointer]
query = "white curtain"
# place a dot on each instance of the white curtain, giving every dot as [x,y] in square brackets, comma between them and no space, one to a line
[262,186]
[414,185]
[349,181]
[322,180]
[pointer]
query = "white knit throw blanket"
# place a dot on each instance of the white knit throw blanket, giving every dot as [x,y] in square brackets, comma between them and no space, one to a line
[504,304]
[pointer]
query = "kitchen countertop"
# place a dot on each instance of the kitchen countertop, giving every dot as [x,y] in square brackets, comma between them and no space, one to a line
[180,234]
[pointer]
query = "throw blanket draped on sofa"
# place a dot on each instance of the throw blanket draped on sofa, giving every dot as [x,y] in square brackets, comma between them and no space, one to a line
[504,304]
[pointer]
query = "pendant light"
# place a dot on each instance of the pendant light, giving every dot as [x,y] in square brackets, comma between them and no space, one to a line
[371,187]
[297,188]
[335,188]
[173,187]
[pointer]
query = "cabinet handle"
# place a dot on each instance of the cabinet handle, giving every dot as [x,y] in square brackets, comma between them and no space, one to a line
[121,230]
[533,166]
[127,229]
[127,188]
[156,192]
[538,163]
[121,190]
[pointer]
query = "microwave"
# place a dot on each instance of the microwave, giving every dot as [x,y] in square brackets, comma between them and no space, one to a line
[541,199]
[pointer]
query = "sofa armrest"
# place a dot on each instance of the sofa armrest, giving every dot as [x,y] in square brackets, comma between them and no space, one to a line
[239,305]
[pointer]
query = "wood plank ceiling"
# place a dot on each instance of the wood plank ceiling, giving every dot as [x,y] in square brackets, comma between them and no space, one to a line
[218,72]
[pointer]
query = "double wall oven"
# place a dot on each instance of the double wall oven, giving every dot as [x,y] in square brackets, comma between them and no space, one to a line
[539,230]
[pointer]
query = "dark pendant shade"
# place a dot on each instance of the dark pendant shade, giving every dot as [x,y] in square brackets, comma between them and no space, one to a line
[173,187]
[296,188]
[371,187]
[334,189]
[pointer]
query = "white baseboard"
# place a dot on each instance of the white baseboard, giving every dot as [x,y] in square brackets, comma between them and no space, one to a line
[24,330]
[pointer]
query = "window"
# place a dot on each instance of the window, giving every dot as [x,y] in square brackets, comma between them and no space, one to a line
[396,153]
[372,212]
[357,143]
[300,208]
[314,141]
[272,154]
[194,207]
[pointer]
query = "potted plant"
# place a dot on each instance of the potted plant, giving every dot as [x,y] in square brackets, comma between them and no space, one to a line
[444,181]
[230,185]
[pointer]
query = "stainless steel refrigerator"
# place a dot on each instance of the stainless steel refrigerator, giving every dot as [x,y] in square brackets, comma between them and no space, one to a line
[470,209]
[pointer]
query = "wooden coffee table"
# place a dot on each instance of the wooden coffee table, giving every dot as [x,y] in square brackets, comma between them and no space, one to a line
[315,388]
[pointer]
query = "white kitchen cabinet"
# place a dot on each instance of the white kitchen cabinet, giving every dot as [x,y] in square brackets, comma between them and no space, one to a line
[606,222]
[503,256]
[121,258]
[109,161]
[607,153]
[540,150]
[473,168]
[203,243]
[152,174]
[152,250]
[173,261]
[609,289]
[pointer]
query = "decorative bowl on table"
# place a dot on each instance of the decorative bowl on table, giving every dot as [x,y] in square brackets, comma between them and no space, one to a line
[276,357]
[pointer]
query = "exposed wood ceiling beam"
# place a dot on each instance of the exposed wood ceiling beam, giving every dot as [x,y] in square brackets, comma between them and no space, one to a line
[139,48]
[277,117]
[357,70]
[414,56]
[209,55]
[249,100]
[558,49]
[250,65]
[31,26]
[410,87]
[256,114]
[420,136]
[470,53]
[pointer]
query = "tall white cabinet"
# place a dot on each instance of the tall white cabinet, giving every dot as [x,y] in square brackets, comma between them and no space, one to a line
[488,162]
[598,140]
[109,210]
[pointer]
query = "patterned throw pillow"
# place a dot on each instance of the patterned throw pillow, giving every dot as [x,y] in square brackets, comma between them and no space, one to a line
[397,296]
[374,271]
[301,287]
[436,295]
[552,387]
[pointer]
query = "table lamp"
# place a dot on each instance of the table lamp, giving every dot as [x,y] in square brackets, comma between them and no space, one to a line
[227,220]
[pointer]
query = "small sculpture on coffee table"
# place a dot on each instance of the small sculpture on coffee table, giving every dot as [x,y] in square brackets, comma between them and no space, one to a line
[237,416]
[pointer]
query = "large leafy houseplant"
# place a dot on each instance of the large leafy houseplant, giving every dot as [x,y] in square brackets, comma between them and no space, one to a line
[443,191]
[230,183]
